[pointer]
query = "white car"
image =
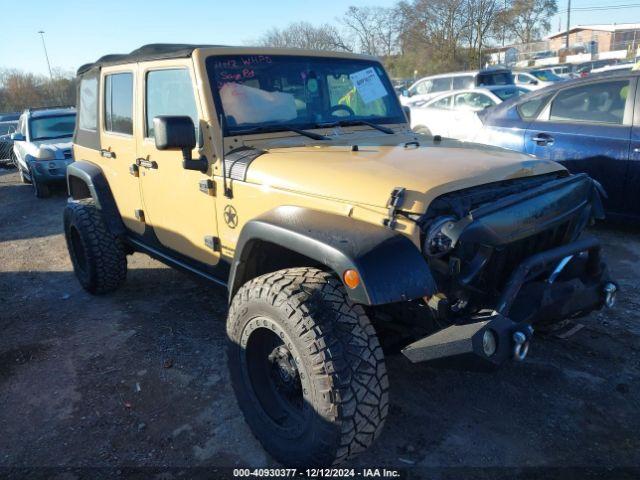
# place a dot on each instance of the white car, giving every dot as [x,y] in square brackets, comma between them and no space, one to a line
[42,146]
[618,67]
[430,87]
[536,79]
[454,115]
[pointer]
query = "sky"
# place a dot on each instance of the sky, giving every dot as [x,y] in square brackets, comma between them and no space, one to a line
[80,31]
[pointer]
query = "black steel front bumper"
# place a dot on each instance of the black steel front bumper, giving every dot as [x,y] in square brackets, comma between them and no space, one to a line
[567,281]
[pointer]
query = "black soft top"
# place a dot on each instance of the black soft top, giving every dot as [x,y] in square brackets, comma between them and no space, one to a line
[153,51]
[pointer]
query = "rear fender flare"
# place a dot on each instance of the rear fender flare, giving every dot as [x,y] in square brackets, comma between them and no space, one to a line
[87,180]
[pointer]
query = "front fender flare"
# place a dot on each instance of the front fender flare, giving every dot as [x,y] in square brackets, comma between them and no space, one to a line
[390,266]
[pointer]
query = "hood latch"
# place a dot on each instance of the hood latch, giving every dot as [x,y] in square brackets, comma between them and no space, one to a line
[393,204]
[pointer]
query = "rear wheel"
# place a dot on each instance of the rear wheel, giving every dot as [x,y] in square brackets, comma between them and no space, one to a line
[306,367]
[98,257]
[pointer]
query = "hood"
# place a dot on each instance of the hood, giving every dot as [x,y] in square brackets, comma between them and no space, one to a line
[60,149]
[368,176]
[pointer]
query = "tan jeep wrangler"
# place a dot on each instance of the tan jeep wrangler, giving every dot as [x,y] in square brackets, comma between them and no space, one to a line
[291,177]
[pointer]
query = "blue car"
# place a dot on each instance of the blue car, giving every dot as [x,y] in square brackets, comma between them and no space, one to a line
[590,125]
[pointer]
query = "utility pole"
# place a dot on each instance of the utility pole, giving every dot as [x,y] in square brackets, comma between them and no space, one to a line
[46,55]
[568,23]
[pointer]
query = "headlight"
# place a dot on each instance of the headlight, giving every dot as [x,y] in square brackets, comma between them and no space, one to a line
[45,153]
[437,242]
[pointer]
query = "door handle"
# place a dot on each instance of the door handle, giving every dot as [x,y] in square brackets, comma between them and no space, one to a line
[144,163]
[543,140]
[636,150]
[107,153]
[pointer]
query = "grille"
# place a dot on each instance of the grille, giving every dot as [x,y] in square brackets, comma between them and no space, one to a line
[507,258]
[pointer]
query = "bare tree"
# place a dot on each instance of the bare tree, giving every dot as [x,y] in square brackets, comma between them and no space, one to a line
[305,35]
[481,17]
[435,29]
[20,90]
[527,20]
[373,30]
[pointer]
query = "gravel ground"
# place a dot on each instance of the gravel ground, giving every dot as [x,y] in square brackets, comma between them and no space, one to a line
[138,378]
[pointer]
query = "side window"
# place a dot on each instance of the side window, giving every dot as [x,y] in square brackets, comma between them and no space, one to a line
[441,85]
[88,111]
[463,82]
[528,110]
[423,87]
[169,92]
[118,103]
[443,103]
[472,101]
[599,102]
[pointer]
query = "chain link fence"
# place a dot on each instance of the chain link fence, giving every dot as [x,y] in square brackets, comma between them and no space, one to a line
[6,153]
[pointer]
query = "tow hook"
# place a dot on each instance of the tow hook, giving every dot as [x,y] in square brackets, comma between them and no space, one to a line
[521,340]
[610,291]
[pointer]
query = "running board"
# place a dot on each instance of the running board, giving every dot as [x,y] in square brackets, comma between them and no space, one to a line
[174,262]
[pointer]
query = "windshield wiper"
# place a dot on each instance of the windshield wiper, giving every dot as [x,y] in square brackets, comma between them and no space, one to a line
[354,123]
[278,128]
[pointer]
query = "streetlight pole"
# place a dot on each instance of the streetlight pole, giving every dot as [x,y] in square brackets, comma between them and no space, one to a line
[568,22]
[46,55]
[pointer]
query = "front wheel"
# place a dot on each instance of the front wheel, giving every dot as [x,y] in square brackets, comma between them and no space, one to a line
[306,367]
[40,189]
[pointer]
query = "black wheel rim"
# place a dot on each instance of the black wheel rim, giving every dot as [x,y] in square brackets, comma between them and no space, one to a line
[79,255]
[275,380]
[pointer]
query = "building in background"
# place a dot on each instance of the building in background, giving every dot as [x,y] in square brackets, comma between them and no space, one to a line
[597,39]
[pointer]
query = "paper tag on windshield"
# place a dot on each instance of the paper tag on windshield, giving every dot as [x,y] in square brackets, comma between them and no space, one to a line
[368,85]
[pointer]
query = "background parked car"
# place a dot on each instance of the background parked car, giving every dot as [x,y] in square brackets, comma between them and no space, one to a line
[585,68]
[536,79]
[429,87]
[42,146]
[454,115]
[587,125]
[563,71]
[9,116]
[618,67]
[6,143]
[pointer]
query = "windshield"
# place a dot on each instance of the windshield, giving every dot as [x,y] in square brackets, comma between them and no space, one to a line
[494,78]
[263,93]
[48,128]
[545,75]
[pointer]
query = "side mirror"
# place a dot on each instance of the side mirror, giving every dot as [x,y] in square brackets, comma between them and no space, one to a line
[17,137]
[533,82]
[177,132]
[405,92]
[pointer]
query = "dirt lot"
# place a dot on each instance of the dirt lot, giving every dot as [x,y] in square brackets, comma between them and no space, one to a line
[138,378]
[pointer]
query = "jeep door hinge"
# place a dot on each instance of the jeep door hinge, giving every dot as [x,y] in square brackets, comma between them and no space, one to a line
[212,243]
[208,186]
[140,215]
[393,204]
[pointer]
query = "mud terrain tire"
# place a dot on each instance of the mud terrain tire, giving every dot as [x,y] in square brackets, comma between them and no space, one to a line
[98,257]
[341,375]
